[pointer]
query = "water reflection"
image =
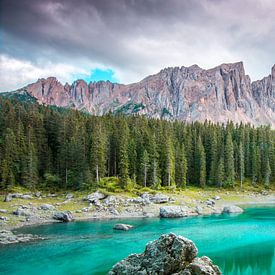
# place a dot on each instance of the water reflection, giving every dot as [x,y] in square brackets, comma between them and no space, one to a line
[253,259]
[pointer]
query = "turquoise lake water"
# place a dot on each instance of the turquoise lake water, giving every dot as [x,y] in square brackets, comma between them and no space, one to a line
[240,244]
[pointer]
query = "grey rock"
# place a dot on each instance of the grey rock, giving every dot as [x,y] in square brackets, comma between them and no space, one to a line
[65,216]
[3,211]
[210,202]
[51,195]
[264,193]
[8,237]
[216,198]
[199,210]
[38,194]
[202,266]
[160,198]
[8,198]
[122,226]
[232,209]
[23,212]
[46,207]
[173,211]
[16,195]
[26,197]
[167,255]
[69,196]
[95,197]
[4,218]
[111,200]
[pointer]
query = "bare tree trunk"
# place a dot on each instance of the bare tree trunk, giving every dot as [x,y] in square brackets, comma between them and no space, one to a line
[97,175]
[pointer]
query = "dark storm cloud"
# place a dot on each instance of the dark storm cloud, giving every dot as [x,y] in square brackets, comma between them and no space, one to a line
[137,37]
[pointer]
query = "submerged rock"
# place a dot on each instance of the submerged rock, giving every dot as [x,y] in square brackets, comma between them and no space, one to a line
[170,254]
[232,209]
[122,226]
[8,237]
[65,216]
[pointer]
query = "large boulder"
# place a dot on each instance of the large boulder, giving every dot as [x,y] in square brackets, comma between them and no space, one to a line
[94,197]
[122,226]
[170,254]
[172,211]
[231,209]
[65,216]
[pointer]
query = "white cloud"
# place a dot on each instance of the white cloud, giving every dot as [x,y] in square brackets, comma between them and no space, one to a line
[17,73]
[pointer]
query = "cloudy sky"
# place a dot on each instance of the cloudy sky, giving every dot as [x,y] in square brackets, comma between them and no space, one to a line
[125,40]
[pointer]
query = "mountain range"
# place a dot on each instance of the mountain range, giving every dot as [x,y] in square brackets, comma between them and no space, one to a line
[189,94]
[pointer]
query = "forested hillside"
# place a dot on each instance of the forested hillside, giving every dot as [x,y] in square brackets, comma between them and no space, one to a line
[59,148]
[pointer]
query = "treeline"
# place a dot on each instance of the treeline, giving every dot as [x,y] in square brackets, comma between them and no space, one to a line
[67,149]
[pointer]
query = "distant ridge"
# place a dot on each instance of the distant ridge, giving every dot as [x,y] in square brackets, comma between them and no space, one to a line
[184,93]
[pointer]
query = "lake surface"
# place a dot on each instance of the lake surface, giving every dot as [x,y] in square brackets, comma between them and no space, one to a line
[240,244]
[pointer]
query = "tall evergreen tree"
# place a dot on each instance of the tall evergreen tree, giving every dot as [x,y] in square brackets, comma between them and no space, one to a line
[200,163]
[229,161]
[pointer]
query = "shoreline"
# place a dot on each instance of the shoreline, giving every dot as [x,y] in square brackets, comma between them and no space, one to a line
[124,209]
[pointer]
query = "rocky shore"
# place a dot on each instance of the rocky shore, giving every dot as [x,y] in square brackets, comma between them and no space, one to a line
[18,209]
[170,254]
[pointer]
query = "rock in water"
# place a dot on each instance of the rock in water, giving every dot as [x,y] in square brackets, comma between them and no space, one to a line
[170,254]
[201,266]
[8,237]
[232,209]
[122,226]
[65,216]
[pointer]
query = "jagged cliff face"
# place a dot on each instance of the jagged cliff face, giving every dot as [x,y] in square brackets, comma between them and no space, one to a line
[187,93]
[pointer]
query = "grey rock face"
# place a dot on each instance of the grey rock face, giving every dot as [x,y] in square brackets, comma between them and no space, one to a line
[232,209]
[185,93]
[122,226]
[65,216]
[170,254]
[173,211]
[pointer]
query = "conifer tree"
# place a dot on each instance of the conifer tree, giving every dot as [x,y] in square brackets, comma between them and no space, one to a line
[181,166]
[200,163]
[98,151]
[241,163]
[229,161]
[145,166]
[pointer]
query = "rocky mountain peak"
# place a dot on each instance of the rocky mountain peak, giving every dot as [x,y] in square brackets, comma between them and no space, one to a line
[186,93]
